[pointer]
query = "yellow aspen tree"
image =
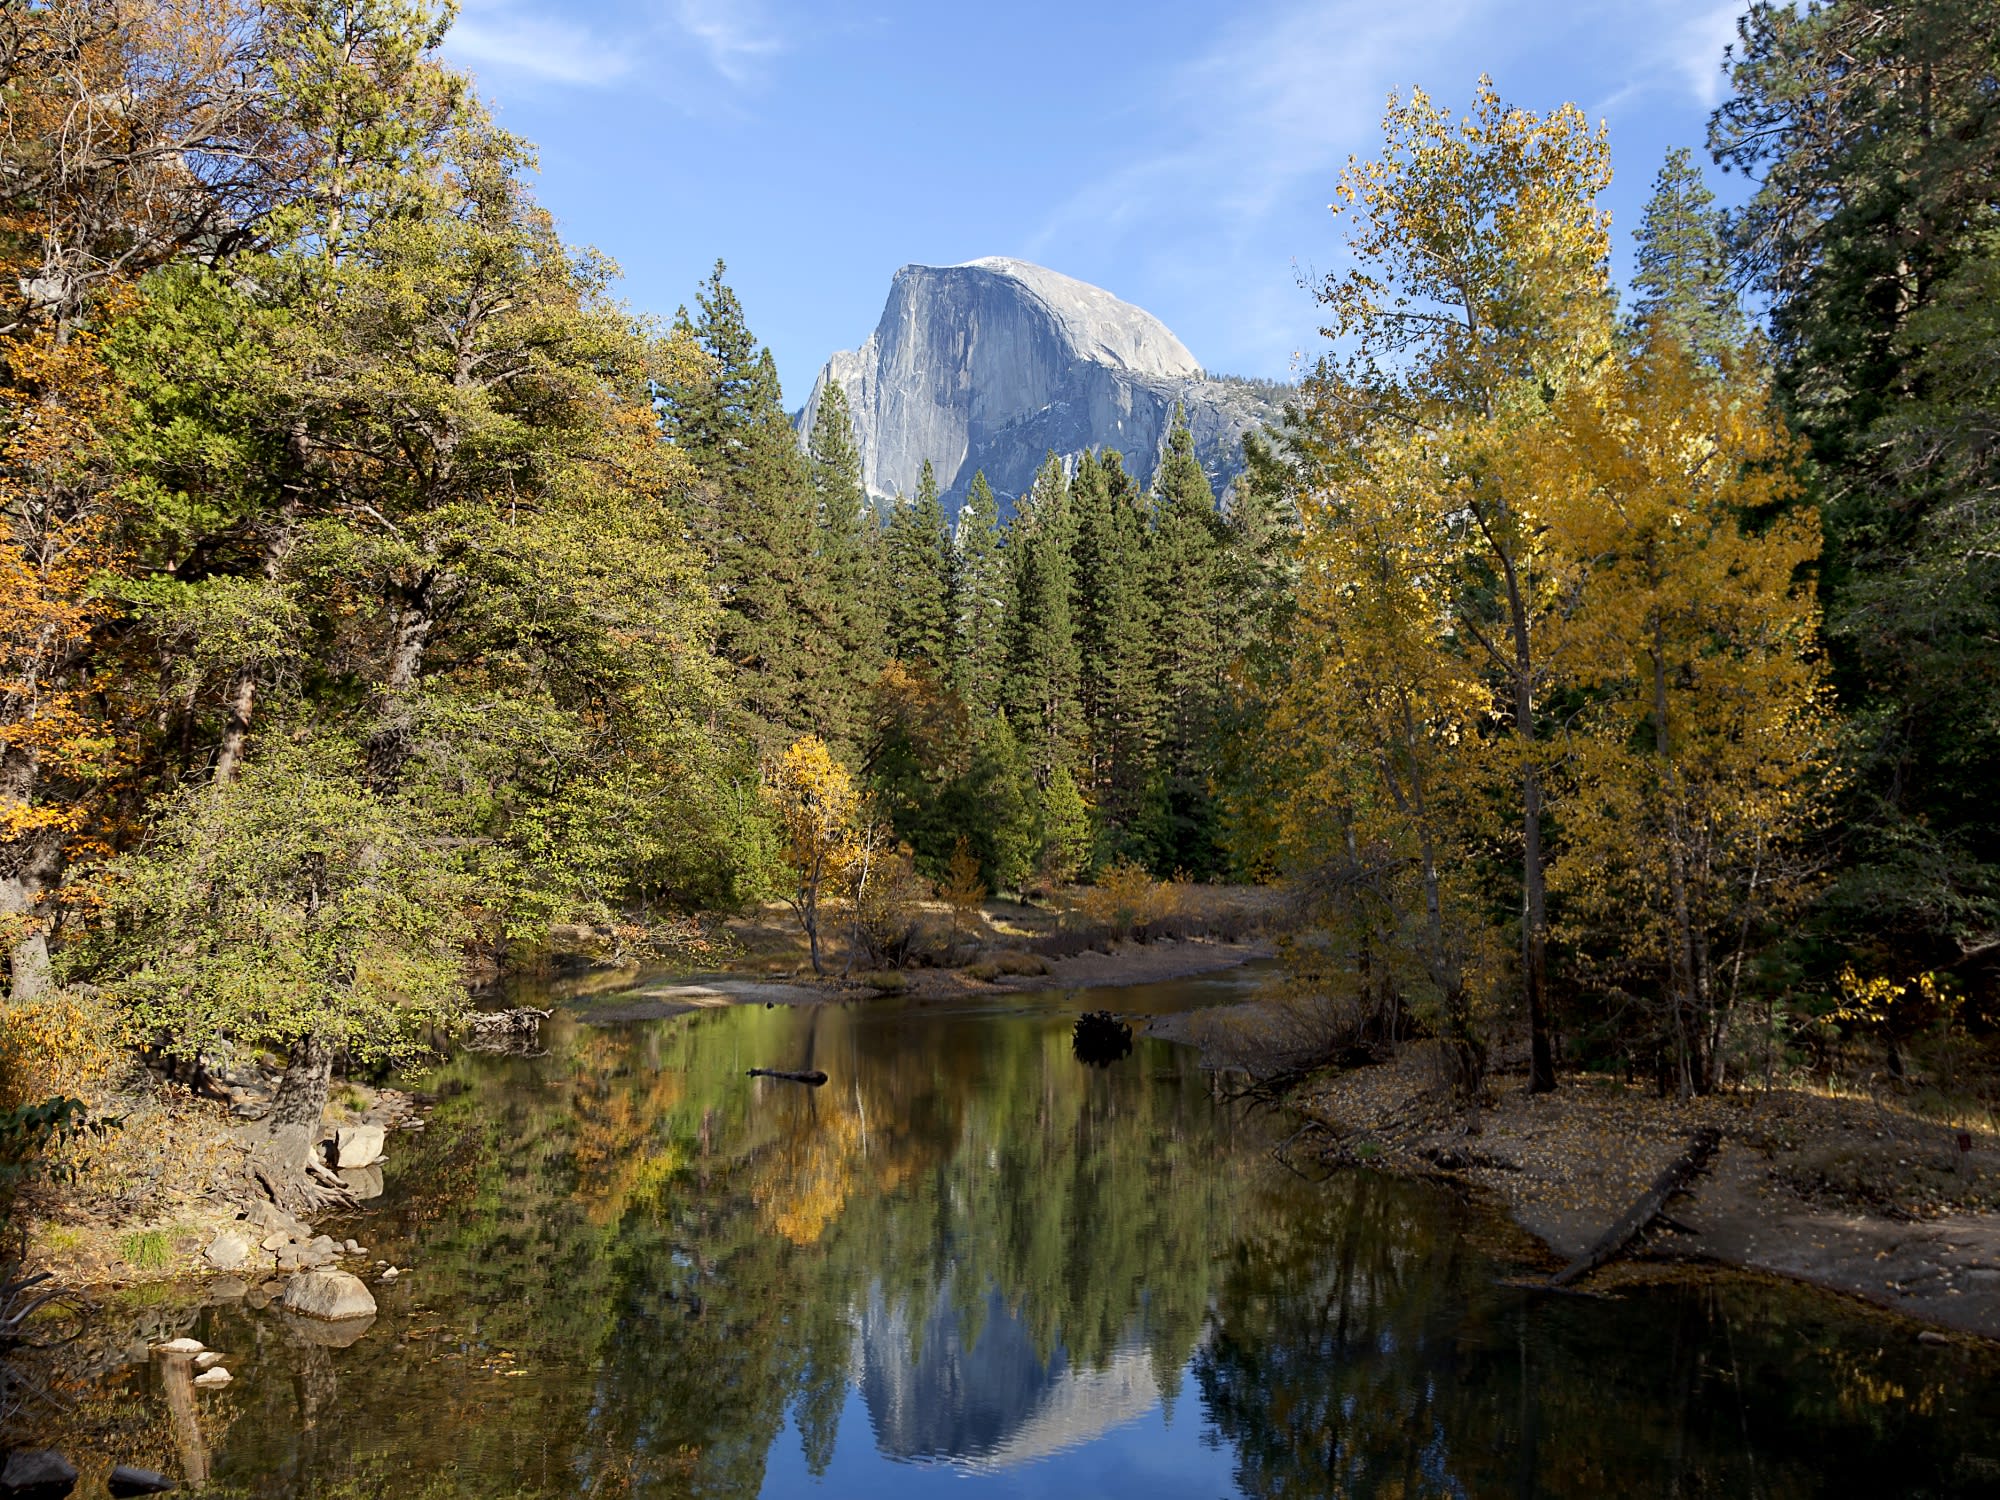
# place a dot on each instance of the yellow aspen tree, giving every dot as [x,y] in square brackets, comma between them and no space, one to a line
[818,806]
[1703,757]
[1381,711]
[1478,294]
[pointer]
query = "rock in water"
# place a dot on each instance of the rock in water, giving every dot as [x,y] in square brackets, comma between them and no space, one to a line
[329,1294]
[363,1182]
[126,1480]
[41,1473]
[992,364]
[357,1146]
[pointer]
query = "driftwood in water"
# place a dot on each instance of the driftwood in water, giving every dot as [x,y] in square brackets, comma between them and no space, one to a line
[1645,1209]
[812,1076]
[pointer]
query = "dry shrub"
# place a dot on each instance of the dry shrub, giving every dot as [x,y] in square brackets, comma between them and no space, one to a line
[1286,1034]
[59,1043]
[886,909]
[1126,898]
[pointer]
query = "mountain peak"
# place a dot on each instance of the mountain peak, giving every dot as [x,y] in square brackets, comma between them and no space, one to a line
[996,362]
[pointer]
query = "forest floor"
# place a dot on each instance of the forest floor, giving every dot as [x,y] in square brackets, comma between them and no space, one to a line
[1851,1193]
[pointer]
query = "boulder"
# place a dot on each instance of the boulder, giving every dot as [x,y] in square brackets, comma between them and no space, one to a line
[126,1480]
[323,1249]
[227,1251]
[38,1473]
[329,1294]
[277,1239]
[357,1146]
[228,1289]
[363,1182]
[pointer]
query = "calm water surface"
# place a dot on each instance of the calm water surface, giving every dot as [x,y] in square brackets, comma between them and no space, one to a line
[971,1265]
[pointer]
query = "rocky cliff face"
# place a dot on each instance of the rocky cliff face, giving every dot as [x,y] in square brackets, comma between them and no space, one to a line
[992,364]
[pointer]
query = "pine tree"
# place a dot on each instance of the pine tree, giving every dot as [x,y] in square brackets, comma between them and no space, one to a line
[1683,275]
[982,603]
[1044,669]
[917,580]
[1116,632]
[1189,662]
[843,528]
[756,518]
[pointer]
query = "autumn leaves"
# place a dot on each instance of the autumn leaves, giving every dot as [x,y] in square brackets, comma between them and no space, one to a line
[1556,680]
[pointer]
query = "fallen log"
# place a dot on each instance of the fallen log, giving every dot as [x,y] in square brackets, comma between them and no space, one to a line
[1690,1165]
[812,1076]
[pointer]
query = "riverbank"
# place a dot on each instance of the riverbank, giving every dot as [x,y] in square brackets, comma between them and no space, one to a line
[1852,1194]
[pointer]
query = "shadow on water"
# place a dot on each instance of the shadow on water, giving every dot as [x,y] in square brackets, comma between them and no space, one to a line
[970,1259]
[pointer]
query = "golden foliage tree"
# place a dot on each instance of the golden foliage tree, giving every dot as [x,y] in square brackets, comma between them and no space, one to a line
[820,811]
[1702,757]
[1478,295]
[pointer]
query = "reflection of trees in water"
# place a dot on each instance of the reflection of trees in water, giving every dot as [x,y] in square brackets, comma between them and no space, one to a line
[682,1257]
[1360,1350]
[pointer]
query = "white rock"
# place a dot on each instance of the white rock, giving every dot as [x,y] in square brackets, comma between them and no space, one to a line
[180,1346]
[216,1376]
[329,1294]
[227,1251]
[357,1146]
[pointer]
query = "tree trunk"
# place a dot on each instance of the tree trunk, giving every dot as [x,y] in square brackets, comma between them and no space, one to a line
[24,894]
[1534,890]
[285,1164]
[239,702]
[1689,1026]
[389,745]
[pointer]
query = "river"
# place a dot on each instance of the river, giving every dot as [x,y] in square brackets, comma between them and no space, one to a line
[972,1264]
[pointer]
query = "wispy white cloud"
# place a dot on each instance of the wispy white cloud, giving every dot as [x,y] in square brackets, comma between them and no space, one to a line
[556,50]
[738,37]
[1695,49]
[734,41]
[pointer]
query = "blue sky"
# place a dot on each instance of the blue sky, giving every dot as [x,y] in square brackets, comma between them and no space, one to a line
[1180,155]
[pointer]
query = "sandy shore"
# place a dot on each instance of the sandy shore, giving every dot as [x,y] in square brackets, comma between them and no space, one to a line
[1125,964]
[1846,1193]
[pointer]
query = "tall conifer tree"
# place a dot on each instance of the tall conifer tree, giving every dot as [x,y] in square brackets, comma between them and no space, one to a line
[755,514]
[982,600]
[917,580]
[1189,660]
[1044,669]
[1116,628]
[849,624]
[1683,274]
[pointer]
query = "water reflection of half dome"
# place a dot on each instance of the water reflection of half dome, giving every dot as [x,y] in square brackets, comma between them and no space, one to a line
[996,1402]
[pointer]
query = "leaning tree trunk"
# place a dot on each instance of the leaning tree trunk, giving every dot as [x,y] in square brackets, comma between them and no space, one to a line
[285,1164]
